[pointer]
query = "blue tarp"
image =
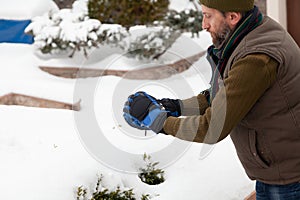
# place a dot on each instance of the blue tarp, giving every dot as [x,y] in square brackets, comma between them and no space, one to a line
[13,31]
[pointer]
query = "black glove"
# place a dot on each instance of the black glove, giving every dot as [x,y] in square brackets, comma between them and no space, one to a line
[171,105]
[142,111]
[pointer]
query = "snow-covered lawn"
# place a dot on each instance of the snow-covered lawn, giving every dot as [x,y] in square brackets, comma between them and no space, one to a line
[43,156]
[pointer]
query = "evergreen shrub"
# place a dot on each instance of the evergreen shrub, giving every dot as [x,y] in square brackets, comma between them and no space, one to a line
[128,12]
[102,193]
[150,174]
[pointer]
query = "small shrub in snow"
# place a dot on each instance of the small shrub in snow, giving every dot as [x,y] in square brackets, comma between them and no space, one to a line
[150,174]
[102,193]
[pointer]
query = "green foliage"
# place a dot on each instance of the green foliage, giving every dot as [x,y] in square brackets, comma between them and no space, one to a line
[145,197]
[151,175]
[128,12]
[102,193]
[81,193]
[185,21]
[115,195]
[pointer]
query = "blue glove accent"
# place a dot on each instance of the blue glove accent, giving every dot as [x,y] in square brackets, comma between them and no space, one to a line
[134,122]
[155,119]
[174,114]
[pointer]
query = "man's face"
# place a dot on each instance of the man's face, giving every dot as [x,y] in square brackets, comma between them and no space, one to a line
[215,23]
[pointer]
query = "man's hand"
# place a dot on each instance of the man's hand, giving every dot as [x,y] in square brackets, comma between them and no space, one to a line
[142,111]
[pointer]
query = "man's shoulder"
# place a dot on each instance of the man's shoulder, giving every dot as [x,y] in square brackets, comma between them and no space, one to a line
[266,41]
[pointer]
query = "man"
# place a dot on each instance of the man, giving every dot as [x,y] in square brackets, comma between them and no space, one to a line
[254,98]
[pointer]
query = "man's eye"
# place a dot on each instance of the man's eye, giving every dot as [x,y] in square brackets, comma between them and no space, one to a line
[207,15]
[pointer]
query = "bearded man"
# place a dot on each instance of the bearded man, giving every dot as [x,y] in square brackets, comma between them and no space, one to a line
[254,97]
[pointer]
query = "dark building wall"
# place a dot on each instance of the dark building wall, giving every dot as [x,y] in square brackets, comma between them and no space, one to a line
[293,16]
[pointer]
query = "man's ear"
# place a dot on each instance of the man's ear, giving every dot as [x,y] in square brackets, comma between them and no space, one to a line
[233,18]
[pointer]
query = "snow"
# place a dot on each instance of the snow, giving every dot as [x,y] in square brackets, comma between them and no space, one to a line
[47,153]
[182,5]
[18,10]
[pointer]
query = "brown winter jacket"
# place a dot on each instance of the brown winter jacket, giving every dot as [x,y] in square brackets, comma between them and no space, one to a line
[258,104]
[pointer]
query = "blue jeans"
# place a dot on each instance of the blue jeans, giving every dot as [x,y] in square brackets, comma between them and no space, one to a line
[277,192]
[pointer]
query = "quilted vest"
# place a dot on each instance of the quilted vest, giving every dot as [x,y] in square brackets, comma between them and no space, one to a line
[267,140]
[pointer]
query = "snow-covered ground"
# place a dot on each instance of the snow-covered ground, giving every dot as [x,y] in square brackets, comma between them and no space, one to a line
[47,153]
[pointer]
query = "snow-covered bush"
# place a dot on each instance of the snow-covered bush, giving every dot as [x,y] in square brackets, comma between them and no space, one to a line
[162,34]
[150,45]
[71,31]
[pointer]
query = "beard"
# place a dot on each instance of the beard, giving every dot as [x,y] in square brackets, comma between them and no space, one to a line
[221,35]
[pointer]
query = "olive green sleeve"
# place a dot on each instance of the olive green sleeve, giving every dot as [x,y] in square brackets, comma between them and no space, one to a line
[247,81]
[194,106]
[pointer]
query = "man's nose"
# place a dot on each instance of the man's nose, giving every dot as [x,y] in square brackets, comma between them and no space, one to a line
[205,25]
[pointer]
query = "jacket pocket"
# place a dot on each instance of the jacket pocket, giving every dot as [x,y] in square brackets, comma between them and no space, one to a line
[253,148]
